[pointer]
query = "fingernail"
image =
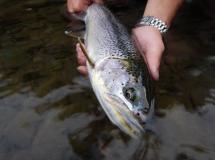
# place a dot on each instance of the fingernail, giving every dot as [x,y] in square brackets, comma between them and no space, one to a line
[78,49]
[156,75]
[78,68]
[82,70]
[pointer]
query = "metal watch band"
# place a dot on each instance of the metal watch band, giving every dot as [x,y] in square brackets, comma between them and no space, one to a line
[152,21]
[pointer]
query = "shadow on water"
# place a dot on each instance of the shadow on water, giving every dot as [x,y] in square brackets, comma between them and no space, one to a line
[48,111]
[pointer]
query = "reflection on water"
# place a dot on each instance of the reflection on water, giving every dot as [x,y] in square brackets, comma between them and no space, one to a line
[48,111]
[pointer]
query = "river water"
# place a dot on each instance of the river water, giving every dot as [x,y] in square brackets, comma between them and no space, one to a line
[49,112]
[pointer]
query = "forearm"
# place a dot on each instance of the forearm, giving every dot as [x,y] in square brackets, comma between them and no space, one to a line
[163,9]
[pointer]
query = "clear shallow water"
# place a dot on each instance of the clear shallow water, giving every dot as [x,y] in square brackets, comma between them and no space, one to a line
[49,112]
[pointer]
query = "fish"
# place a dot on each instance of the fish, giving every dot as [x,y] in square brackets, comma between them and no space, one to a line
[117,72]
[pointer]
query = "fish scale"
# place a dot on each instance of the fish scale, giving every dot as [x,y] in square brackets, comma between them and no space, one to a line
[110,37]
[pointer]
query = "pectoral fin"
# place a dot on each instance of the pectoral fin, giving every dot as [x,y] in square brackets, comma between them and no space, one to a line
[85,52]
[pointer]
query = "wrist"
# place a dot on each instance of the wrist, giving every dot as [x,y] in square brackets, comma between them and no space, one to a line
[147,35]
[147,31]
[153,22]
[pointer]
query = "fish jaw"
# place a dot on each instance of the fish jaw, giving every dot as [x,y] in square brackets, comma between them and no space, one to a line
[121,116]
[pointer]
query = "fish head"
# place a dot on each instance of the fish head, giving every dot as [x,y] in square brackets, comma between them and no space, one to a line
[134,95]
[123,97]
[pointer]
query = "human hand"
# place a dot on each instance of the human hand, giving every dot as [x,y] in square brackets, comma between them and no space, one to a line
[82,68]
[149,42]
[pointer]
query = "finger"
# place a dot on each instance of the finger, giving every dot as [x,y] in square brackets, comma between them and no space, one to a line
[80,55]
[84,4]
[151,48]
[138,46]
[153,58]
[142,53]
[99,1]
[78,5]
[88,2]
[82,70]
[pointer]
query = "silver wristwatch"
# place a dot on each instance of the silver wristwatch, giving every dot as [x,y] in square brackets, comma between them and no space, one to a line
[152,21]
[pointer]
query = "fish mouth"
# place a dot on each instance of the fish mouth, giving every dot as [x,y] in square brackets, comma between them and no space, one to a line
[121,116]
[141,116]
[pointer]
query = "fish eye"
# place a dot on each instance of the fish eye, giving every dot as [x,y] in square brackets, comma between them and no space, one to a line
[129,93]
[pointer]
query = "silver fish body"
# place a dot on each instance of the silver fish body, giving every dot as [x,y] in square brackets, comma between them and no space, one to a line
[120,78]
